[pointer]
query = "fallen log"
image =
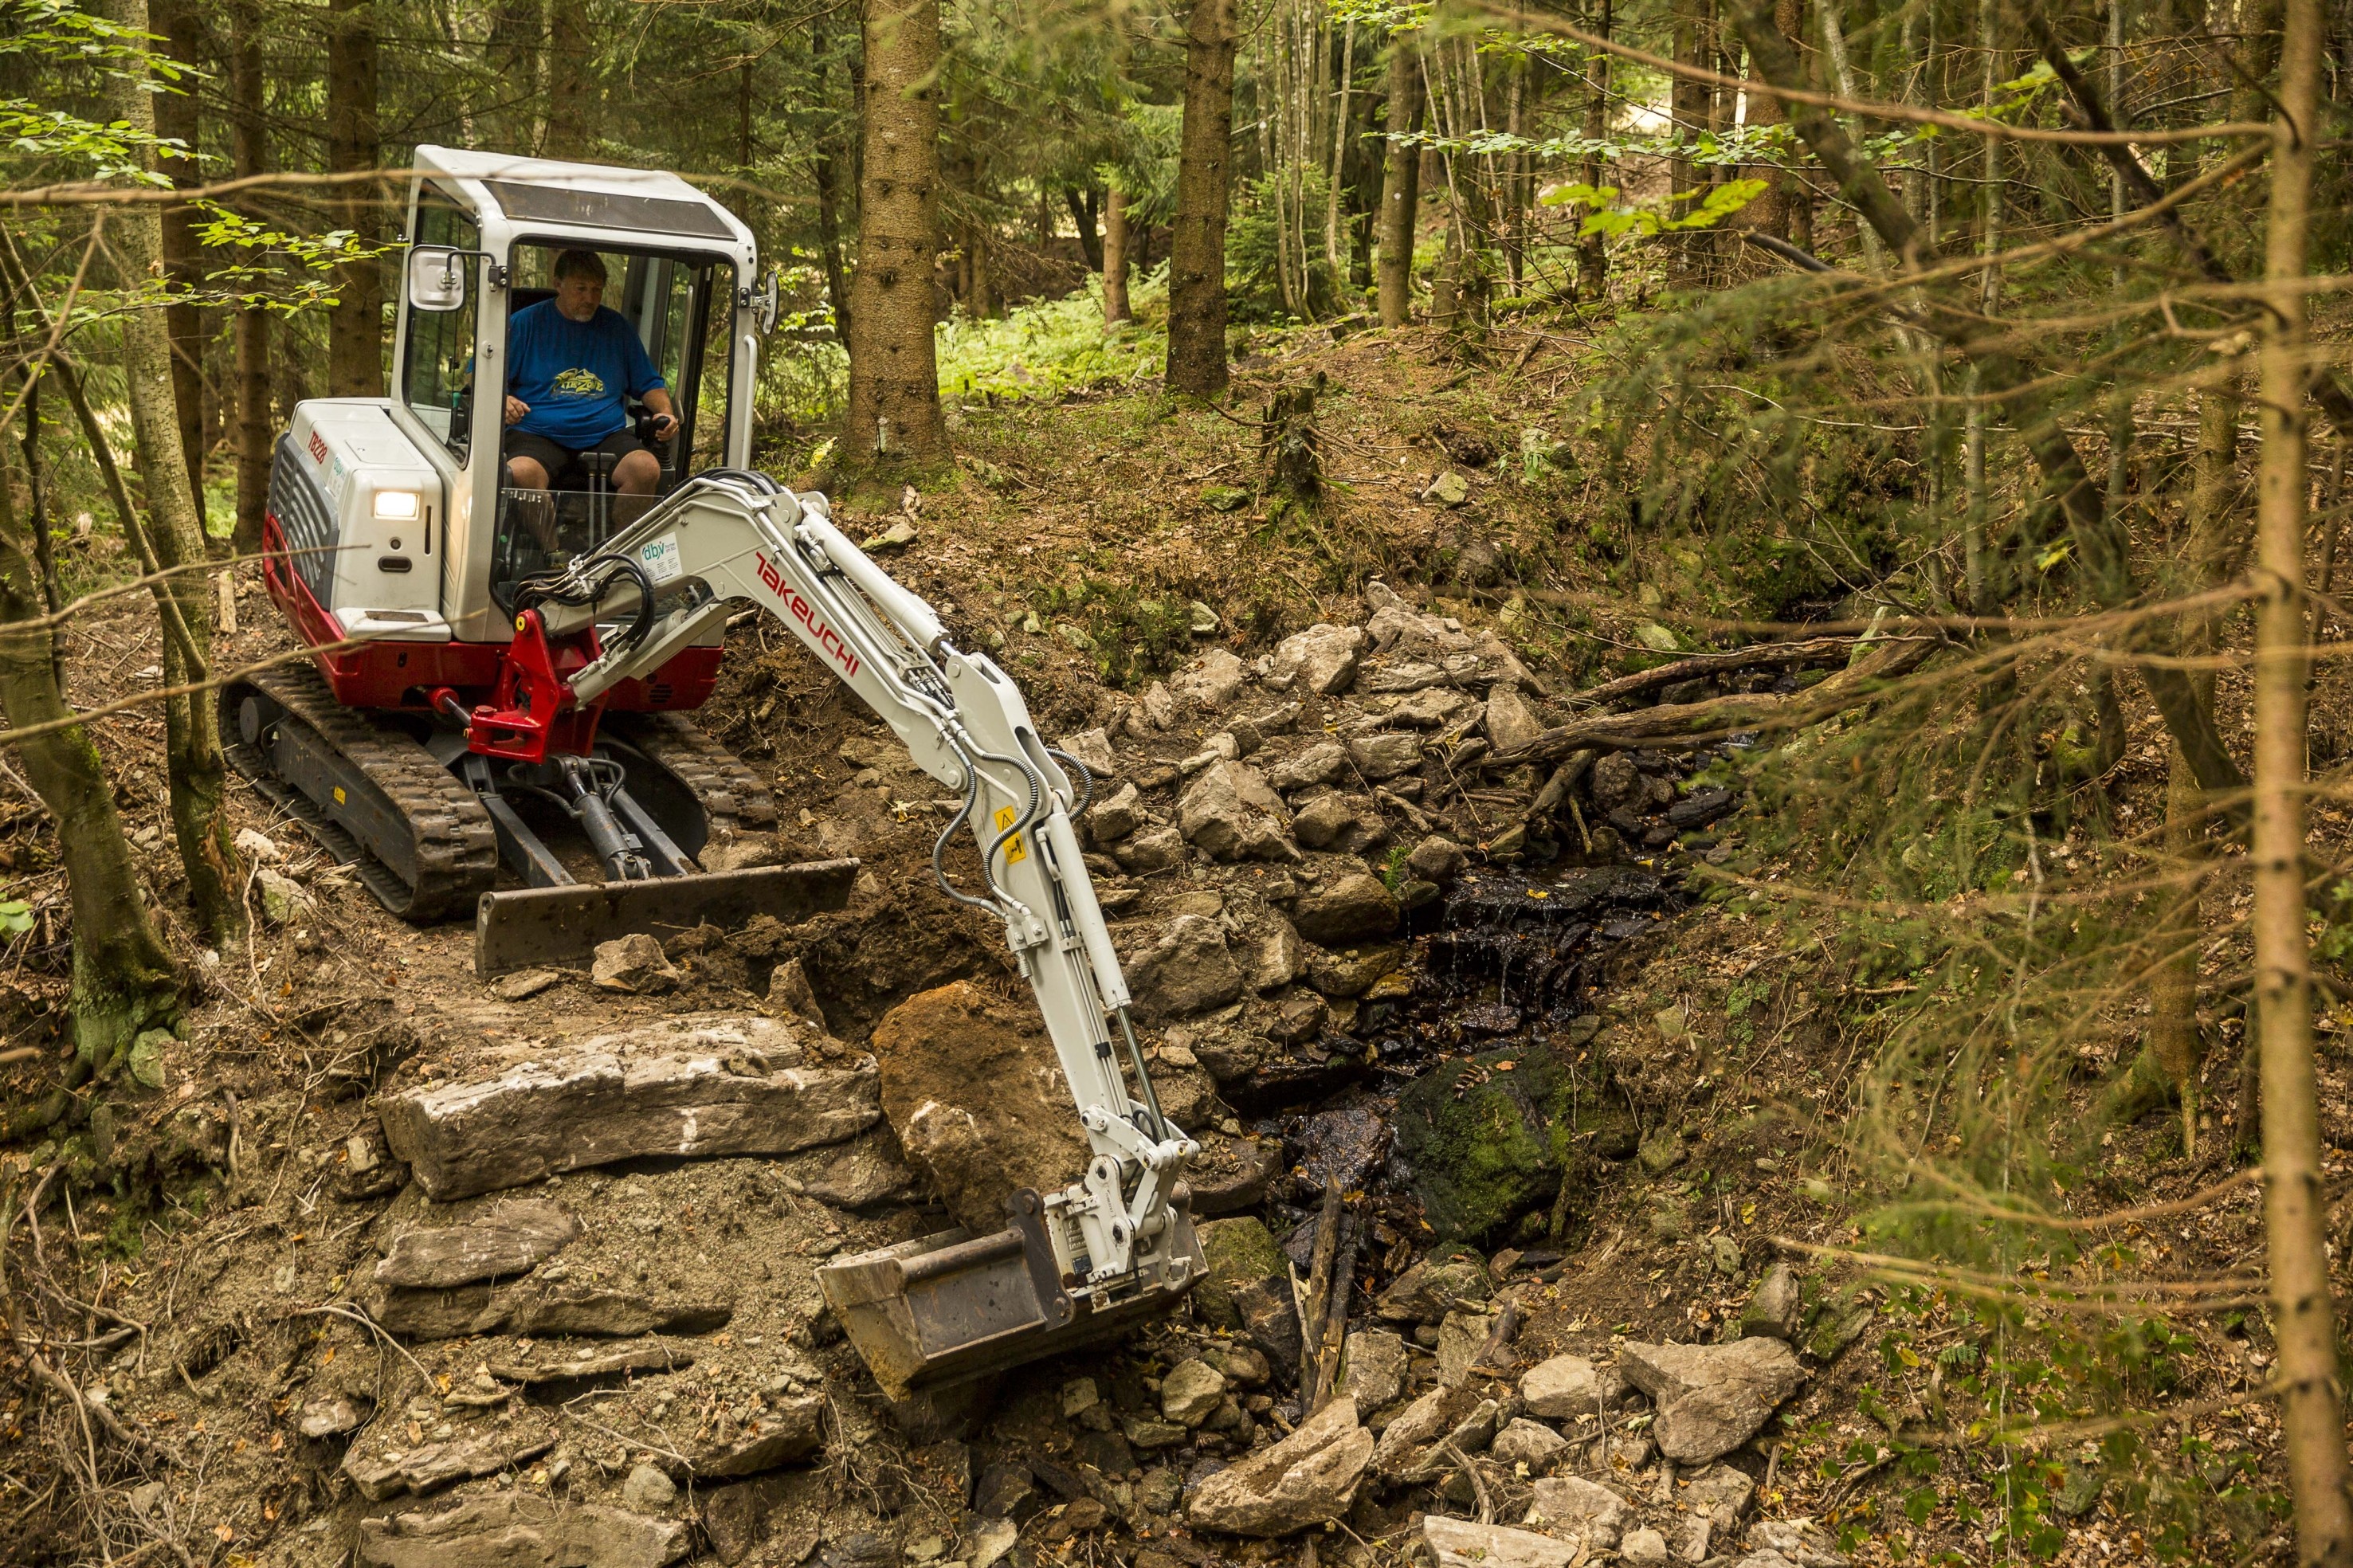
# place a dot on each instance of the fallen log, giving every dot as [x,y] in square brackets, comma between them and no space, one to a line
[1758,656]
[1689,725]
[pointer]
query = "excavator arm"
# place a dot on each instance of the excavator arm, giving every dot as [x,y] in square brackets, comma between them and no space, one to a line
[1115,1244]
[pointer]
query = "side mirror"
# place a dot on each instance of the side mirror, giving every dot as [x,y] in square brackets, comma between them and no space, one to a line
[765,308]
[437,279]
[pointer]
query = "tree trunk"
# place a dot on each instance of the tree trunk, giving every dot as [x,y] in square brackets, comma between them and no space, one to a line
[175,119]
[191,726]
[1114,264]
[355,323]
[572,84]
[1772,207]
[1082,218]
[249,154]
[1592,250]
[123,980]
[512,58]
[1400,187]
[1690,103]
[1196,253]
[828,180]
[894,385]
[2295,1208]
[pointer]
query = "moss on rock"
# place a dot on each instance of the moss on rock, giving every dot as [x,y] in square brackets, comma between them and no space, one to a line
[1488,1139]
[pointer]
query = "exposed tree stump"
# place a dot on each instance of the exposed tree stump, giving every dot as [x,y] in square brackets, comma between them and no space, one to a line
[1288,445]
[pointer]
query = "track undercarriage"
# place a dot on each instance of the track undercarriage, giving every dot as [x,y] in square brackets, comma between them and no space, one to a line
[427,824]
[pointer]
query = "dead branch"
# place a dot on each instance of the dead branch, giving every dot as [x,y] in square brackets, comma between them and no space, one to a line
[1758,656]
[1687,725]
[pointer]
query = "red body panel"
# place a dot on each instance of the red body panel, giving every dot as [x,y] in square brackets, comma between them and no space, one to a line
[399,674]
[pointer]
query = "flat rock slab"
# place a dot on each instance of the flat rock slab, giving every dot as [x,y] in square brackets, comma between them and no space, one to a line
[1711,1398]
[621,1098]
[1461,1543]
[652,1355]
[381,1472]
[1308,1479]
[512,1531]
[790,1432]
[1588,1508]
[535,1307]
[511,1237]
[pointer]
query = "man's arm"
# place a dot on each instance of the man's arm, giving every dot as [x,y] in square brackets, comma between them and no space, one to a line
[657,398]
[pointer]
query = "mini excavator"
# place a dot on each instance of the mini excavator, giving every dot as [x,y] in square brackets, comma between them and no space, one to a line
[501,674]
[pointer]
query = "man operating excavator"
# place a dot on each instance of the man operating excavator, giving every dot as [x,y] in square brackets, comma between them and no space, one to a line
[572,364]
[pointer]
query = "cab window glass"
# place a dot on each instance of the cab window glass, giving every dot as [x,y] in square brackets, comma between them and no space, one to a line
[436,381]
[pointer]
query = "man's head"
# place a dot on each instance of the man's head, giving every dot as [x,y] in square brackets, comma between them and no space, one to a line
[579,284]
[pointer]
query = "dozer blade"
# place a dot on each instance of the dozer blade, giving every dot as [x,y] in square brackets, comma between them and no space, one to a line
[561,925]
[951,1307]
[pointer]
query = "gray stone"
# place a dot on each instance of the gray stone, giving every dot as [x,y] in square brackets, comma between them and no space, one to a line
[1191,1392]
[1211,681]
[789,1431]
[512,1528]
[1428,1291]
[1711,1398]
[1384,756]
[789,991]
[1434,709]
[614,1099]
[1438,860]
[535,1307]
[1662,1151]
[1567,1386]
[1644,1548]
[1460,1337]
[633,965]
[283,899]
[1343,910]
[1092,748]
[524,983]
[1511,723]
[1615,781]
[1408,634]
[1115,817]
[1157,849]
[1448,489]
[1324,656]
[864,1173]
[1797,1541]
[1322,764]
[1530,1443]
[1346,824]
[382,1470]
[1572,1502]
[1461,1543]
[1776,1308]
[735,1518]
[1144,1432]
[1398,678]
[1308,1479]
[332,1416]
[1268,953]
[1717,1492]
[1231,813]
[1300,1019]
[648,1490]
[510,1237]
[554,1363]
[1186,971]
[1352,971]
[1445,1414]
[1159,1490]
[1371,1368]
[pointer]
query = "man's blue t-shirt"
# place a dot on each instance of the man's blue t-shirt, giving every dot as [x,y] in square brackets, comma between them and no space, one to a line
[575,374]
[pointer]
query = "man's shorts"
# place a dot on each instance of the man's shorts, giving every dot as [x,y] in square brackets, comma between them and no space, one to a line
[563,462]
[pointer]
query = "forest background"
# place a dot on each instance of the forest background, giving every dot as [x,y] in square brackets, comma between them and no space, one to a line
[1995,330]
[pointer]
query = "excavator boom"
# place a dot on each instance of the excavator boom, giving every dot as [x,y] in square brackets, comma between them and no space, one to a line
[1073,1266]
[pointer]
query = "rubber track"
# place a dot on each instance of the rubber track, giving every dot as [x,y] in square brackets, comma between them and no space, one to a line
[733,799]
[457,850]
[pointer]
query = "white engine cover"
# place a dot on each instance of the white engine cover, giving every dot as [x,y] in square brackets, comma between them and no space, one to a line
[363,510]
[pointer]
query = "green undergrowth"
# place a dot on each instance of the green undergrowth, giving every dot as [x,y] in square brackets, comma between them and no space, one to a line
[1053,346]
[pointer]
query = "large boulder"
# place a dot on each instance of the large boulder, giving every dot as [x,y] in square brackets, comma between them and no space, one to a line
[1232,812]
[1346,823]
[1711,1398]
[1323,657]
[1386,754]
[1344,910]
[1511,723]
[973,1089]
[1188,970]
[1308,1479]
[1486,1140]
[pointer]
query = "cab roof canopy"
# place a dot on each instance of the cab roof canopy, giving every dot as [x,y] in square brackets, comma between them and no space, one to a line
[596,203]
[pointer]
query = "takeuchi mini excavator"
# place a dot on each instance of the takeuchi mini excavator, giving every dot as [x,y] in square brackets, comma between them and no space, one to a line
[503,671]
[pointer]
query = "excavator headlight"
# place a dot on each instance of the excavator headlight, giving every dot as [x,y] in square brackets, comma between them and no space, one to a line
[399,506]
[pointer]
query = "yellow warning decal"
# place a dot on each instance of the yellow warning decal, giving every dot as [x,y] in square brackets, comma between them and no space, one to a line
[339,794]
[1014,852]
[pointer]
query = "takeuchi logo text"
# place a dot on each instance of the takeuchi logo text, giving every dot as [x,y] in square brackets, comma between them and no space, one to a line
[820,635]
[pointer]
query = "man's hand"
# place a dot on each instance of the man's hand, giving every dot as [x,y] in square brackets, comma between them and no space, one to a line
[665,424]
[516,409]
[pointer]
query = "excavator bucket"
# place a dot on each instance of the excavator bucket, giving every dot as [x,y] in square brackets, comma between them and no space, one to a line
[563,925]
[951,1307]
